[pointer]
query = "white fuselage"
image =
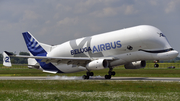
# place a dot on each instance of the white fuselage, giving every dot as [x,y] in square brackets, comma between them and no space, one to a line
[127,45]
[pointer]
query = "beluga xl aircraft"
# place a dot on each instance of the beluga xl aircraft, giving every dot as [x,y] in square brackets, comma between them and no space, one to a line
[130,47]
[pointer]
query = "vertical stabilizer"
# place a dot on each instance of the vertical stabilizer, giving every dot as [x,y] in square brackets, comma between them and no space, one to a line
[38,49]
[35,48]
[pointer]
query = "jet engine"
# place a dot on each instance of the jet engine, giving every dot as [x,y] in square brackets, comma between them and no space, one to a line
[97,64]
[135,65]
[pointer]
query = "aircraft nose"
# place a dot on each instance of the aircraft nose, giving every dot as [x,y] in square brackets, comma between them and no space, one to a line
[176,53]
[173,54]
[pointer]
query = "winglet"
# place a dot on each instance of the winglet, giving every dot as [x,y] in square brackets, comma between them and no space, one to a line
[8,53]
[6,59]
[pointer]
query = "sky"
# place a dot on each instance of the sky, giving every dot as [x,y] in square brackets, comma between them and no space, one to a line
[56,21]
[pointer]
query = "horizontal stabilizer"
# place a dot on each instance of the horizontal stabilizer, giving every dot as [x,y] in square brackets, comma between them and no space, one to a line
[53,72]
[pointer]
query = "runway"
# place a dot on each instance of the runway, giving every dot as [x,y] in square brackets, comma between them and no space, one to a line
[92,78]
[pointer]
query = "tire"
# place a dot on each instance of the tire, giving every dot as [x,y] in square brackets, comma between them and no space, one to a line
[88,73]
[107,76]
[156,65]
[87,77]
[91,74]
[113,73]
[84,76]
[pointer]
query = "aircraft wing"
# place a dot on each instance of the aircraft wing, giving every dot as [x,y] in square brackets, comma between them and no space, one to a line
[79,61]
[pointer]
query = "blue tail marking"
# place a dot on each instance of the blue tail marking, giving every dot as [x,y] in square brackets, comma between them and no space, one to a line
[33,45]
[36,50]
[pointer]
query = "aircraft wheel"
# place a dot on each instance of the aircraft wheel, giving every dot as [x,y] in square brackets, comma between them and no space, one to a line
[156,65]
[85,77]
[113,73]
[107,76]
[91,74]
[88,73]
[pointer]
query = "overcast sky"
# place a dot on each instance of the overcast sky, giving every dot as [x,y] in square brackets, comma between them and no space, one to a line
[56,21]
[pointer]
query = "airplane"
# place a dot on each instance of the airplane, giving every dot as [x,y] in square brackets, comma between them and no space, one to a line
[130,47]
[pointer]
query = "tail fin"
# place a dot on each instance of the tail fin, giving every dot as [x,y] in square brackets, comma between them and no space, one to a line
[6,60]
[38,49]
[35,48]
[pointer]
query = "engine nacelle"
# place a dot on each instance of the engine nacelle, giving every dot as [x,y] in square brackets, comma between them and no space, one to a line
[135,65]
[97,64]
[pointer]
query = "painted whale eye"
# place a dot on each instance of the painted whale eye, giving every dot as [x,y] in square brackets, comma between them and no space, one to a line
[161,35]
[129,47]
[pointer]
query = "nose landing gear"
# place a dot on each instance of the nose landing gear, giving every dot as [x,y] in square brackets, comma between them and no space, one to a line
[156,65]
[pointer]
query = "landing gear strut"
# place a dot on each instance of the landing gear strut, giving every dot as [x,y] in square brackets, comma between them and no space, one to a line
[110,73]
[156,65]
[88,74]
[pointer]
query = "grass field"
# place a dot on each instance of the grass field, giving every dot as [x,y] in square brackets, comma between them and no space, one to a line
[89,90]
[27,90]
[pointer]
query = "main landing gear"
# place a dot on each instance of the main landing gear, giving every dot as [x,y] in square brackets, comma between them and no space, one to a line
[110,73]
[88,74]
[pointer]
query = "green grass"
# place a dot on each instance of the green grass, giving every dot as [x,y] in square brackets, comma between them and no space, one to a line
[88,90]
